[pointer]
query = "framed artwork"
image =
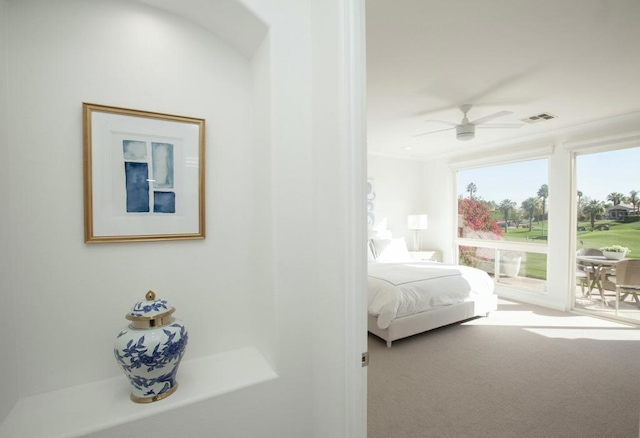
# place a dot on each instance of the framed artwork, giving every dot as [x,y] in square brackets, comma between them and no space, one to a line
[143,175]
[371,202]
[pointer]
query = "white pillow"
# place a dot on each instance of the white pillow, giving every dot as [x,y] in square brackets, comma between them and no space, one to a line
[380,234]
[387,250]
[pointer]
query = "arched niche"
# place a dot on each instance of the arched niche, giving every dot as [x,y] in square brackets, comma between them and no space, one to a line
[228,19]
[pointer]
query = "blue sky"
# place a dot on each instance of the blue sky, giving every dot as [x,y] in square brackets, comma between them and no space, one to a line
[606,172]
[597,175]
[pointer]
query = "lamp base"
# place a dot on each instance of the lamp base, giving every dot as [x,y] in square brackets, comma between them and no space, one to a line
[416,240]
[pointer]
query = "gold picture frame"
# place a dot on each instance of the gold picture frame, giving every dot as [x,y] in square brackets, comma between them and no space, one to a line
[143,175]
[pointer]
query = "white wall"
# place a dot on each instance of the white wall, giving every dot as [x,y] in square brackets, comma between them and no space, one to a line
[8,346]
[406,187]
[261,226]
[400,191]
[442,219]
[254,280]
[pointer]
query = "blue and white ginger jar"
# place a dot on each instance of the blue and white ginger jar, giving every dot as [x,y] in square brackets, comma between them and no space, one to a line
[150,348]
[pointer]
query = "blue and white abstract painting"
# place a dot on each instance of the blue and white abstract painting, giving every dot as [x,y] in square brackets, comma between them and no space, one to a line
[134,150]
[164,202]
[146,170]
[162,155]
[137,186]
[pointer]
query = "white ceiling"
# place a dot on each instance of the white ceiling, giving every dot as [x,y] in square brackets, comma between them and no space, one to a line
[576,59]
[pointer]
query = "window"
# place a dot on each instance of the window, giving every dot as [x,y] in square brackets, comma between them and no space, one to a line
[503,222]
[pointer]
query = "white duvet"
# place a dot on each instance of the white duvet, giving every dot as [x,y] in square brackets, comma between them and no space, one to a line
[402,289]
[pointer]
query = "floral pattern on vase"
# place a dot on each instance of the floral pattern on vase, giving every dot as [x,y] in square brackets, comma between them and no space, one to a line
[142,309]
[150,356]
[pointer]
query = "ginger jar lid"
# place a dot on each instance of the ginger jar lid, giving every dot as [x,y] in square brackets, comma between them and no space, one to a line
[150,312]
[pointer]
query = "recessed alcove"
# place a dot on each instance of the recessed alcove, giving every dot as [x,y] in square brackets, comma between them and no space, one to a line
[201,59]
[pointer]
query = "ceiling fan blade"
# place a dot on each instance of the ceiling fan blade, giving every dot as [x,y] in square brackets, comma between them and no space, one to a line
[501,125]
[433,132]
[440,121]
[485,119]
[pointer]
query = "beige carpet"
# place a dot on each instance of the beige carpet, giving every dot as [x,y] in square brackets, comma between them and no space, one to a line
[525,371]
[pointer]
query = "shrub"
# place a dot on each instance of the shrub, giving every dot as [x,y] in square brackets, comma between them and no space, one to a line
[478,224]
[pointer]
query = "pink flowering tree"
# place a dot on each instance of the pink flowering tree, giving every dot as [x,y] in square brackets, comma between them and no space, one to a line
[477,224]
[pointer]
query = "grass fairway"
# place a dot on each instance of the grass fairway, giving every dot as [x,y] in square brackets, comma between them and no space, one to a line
[538,233]
[535,265]
[619,234]
[625,234]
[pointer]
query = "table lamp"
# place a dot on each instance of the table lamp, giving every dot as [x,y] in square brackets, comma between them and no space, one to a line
[417,223]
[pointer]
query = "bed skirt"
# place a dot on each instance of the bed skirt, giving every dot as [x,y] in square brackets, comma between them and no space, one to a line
[431,319]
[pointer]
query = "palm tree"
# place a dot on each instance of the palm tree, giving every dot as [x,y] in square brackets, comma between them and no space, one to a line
[593,209]
[579,203]
[530,205]
[616,198]
[506,206]
[517,217]
[633,200]
[471,188]
[543,192]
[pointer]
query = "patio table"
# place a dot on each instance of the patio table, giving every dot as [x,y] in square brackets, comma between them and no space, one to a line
[599,266]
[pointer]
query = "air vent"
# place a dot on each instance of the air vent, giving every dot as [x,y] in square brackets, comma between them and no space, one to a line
[539,118]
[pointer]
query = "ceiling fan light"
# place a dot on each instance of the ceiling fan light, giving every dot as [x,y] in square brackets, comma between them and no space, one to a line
[466,132]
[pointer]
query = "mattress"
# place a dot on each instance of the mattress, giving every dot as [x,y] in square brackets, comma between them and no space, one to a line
[396,290]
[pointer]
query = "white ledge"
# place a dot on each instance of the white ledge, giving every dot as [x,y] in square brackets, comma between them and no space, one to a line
[84,409]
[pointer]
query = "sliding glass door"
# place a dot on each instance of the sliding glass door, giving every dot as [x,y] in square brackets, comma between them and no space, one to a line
[607,206]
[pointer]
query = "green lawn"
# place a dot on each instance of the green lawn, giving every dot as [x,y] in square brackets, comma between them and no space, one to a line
[535,266]
[538,233]
[619,234]
[625,234]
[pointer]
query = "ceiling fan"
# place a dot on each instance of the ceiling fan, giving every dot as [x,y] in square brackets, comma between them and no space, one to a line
[466,130]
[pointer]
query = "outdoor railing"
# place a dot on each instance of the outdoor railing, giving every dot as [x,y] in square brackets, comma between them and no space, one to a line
[506,259]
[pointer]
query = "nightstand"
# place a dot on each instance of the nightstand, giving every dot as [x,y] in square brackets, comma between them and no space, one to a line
[431,255]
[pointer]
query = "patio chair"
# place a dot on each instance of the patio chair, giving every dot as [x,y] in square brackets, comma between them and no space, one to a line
[584,272]
[583,279]
[627,280]
[589,252]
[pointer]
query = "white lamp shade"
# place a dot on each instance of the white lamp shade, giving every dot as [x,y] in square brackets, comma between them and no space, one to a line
[417,222]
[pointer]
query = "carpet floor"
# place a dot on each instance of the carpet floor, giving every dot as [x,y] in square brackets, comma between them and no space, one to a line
[523,372]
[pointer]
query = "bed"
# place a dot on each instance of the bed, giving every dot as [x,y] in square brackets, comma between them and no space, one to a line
[407,297]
